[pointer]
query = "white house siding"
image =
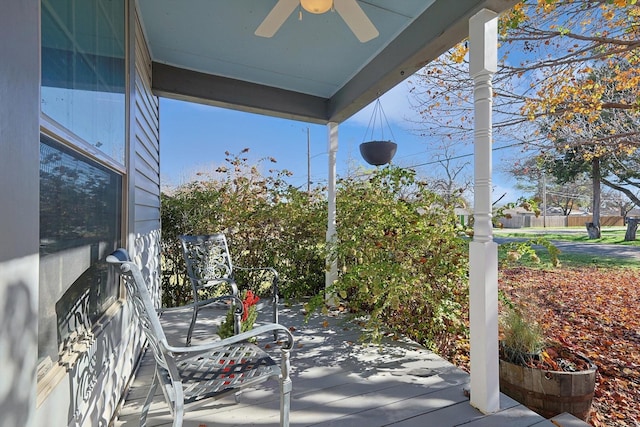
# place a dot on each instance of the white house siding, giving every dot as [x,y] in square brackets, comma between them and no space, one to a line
[145,169]
[92,387]
[97,378]
[19,216]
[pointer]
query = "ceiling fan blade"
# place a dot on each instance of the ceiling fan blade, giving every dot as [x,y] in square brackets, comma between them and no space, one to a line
[356,19]
[276,17]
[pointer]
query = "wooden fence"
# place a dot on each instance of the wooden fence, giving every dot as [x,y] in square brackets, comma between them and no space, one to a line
[521,221]
[605,221]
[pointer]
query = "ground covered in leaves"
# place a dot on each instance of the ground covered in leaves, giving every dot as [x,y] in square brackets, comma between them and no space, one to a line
[597,313]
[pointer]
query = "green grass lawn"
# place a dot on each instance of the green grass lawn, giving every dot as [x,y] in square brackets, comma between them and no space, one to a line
[568,260]
[610,236]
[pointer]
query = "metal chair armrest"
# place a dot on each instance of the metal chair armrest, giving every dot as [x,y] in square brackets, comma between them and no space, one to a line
[274,280]
[191,305]
[207,283]
[234,339]
[271,269]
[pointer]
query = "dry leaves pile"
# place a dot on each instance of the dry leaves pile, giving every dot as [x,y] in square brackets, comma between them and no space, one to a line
[596,312]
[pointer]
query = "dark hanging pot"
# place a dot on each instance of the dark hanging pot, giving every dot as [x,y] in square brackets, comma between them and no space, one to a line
[378,153]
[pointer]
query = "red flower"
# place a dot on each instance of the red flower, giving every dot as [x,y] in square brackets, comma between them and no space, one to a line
[249,300]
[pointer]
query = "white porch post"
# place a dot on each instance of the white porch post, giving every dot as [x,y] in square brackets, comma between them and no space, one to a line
[331,273]
[483,251]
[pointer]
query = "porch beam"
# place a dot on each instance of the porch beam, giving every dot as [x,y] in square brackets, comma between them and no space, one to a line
[483,251]
[441,23]
[192,86]
[331,271]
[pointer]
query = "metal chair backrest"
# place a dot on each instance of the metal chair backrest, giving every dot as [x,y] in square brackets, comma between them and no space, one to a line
[207,257]
[211,273]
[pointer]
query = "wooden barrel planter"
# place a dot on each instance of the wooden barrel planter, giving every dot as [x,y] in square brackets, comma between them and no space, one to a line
[549,393]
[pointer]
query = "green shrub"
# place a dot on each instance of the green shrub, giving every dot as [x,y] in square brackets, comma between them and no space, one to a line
[401,253]
[267,223]
[402,258]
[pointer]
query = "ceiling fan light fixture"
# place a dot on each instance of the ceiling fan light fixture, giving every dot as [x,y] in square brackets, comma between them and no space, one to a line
[316,6]
[349,10]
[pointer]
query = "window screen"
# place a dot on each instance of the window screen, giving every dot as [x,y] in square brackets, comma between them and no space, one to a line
[80,223]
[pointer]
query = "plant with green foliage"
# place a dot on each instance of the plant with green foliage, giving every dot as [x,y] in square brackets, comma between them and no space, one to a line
[528,204]
[248,318]
[516,250]
[402,258]
[522,337]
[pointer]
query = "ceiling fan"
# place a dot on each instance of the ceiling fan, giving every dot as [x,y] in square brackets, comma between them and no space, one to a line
[349,10]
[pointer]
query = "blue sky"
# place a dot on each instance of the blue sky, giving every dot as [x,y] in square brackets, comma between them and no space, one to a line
[195,137]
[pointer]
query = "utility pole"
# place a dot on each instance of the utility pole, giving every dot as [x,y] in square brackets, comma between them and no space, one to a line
[308,162]
[544,199]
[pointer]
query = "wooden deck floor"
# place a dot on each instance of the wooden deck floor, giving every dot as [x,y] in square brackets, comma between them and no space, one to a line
[337,381]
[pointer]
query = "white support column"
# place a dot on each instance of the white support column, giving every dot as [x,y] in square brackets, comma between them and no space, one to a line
[483,251]
[331,273]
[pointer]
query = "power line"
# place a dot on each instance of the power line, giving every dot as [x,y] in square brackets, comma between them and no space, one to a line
[319,181]
[566,195]
[432,162]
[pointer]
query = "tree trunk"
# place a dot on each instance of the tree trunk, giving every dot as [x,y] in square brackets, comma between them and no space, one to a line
[632,226]
[593,228]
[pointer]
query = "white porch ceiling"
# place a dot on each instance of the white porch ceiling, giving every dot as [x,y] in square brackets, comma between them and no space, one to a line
[313,69]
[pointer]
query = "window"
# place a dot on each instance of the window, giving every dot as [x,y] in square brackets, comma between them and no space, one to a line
[84,97]
[83,70]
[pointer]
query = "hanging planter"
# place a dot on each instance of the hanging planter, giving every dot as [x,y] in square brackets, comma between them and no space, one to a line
[378,152]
